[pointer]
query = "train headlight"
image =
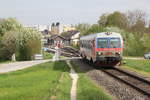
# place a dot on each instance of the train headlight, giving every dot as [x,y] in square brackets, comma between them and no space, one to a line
[99,53]
[118,53]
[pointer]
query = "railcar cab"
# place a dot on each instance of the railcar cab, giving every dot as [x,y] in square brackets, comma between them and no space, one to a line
[109,47]
[102,47]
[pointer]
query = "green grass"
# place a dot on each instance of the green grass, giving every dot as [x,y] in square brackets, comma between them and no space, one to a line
[62,92]
[40,82]
[47,55]
[140,66]
[87,89]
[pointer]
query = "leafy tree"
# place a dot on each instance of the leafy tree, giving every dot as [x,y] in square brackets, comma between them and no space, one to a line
[103,20]
[28,44]
[116,19]
[8,30]
[9,24]
[95,28]
[9,44]
[146,42]
[16,39]
[83,28]
[86,29]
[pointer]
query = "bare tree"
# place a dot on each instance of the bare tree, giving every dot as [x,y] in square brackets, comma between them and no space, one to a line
[137,21]
[134,16]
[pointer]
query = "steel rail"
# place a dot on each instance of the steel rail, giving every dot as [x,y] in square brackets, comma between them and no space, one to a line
[132,76]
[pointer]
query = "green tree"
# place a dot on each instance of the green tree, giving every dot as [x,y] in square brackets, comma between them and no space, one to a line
[117,19]
[16,39]
[95,28]
[8,30]
[103,20]
[134,45]
[8,45]
[28,44]
[9,24]
[83,28]
[86,29]
[146,42]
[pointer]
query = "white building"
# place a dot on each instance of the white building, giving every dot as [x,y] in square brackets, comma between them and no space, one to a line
[39,27]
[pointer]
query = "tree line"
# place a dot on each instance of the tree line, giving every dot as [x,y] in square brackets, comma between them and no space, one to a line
[15,39]
[132,25]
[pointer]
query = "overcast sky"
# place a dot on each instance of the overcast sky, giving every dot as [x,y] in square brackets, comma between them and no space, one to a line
[31,12]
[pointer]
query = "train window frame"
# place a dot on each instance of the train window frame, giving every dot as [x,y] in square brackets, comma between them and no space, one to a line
[115,38]
[102,38]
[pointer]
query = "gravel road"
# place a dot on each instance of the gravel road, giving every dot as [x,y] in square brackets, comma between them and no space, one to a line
[4,68]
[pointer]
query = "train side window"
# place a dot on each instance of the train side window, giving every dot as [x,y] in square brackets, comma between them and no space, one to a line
[86,44]
[89,44]
[83,43]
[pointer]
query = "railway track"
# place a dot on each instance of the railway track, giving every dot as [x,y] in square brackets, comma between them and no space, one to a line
[135,81]
[140,84]
[72,51]
[67,52]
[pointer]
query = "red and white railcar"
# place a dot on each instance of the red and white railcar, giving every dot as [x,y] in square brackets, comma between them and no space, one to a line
[104,48]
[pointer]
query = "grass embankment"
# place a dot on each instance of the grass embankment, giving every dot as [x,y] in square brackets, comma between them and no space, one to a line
[87,89]
[140,66]
[42,82]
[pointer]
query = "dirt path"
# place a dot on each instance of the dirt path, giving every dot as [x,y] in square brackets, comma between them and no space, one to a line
[4,68]
[74,77]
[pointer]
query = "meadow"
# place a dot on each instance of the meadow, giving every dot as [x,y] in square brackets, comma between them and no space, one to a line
[45,81]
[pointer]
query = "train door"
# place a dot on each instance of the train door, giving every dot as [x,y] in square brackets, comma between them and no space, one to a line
[93,49]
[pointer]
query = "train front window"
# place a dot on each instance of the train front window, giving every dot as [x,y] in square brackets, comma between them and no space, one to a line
[114,43]
[102,43]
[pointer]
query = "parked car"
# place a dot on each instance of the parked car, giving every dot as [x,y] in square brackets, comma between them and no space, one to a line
[147,55]
[38,56]
[45,48]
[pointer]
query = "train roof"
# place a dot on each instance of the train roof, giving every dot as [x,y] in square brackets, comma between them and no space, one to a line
[102,34]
